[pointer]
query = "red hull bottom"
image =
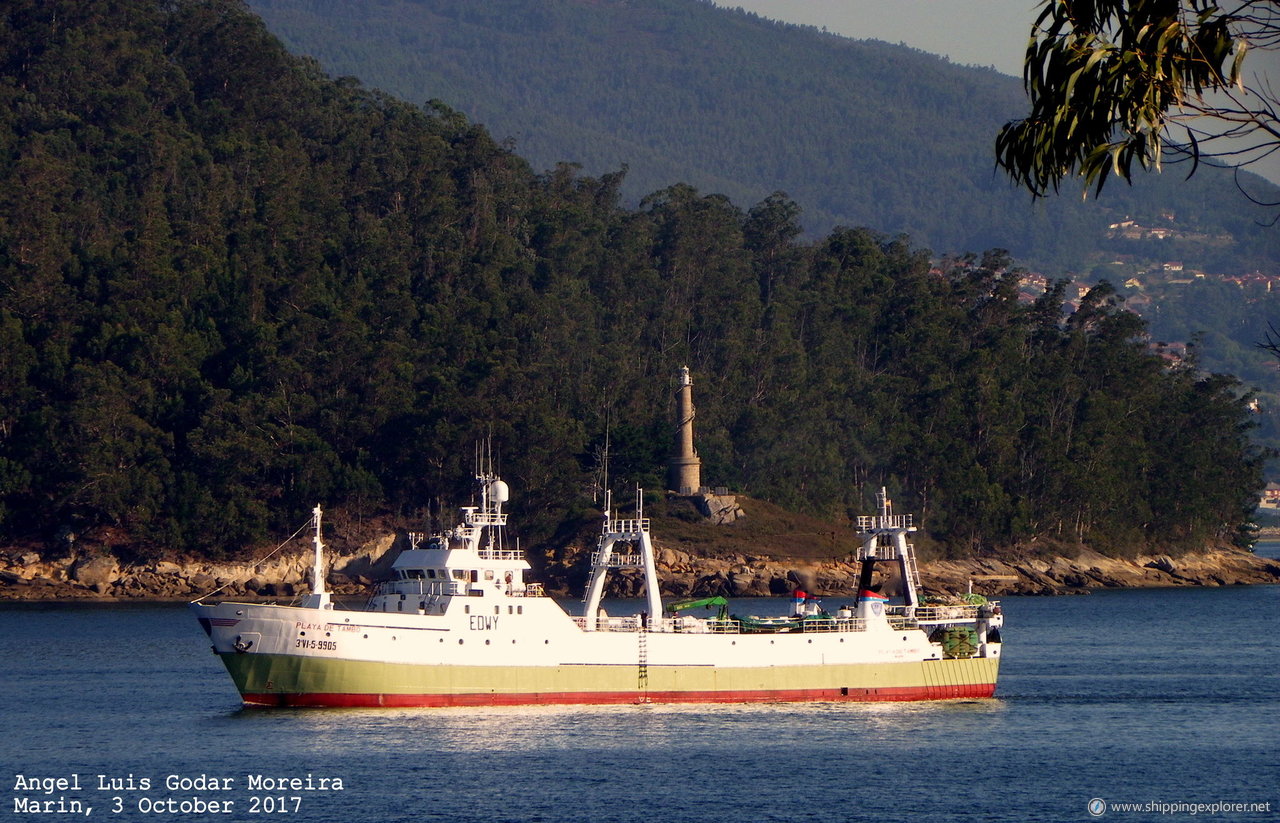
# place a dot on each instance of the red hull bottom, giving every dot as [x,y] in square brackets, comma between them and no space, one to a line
[337,699]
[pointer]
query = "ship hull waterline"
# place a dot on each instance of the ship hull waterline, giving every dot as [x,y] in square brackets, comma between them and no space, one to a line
[267,680]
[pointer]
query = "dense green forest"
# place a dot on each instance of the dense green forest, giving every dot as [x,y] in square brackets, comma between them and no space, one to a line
[858,133]
[231,287]
[1225,323]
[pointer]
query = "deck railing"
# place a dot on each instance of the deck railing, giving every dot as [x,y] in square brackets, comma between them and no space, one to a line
[496,553]
[617,560]
[866,523]
[485,552]
[935,614]
[696,625]
[627,526]
[417,586]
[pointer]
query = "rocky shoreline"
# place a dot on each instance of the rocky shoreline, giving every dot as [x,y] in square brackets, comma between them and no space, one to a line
[31,576]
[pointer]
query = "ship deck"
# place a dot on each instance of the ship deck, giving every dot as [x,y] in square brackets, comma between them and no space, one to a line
[900,618]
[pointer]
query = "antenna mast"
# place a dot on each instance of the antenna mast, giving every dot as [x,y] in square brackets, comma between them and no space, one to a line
[319,598]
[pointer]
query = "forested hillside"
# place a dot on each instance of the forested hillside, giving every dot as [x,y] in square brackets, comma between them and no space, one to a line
[858,133]
[231,287]
[1224,323]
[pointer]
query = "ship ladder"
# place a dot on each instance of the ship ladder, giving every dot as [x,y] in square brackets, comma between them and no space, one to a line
[912,569]
[642,666]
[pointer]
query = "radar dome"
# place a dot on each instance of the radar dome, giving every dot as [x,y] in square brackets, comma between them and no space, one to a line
[498,492]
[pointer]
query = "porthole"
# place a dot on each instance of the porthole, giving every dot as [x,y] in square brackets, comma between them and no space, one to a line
[486,642]
[459,641]
[302,634]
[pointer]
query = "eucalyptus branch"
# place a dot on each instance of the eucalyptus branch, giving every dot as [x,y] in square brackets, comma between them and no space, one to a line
[1108,80]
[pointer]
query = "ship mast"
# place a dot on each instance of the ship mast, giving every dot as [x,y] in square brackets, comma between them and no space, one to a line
[629,531]
[319,598]
[894,549]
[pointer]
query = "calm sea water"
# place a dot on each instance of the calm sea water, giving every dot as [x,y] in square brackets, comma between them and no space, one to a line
[1166,697]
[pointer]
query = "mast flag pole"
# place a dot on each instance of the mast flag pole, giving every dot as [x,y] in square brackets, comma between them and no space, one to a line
[319,598]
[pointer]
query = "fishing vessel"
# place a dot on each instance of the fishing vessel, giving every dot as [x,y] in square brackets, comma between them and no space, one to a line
[459,624]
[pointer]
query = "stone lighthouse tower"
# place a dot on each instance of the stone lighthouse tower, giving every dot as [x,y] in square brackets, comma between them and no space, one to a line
[684,472]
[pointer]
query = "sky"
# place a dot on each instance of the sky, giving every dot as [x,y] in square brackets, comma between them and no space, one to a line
[968,32]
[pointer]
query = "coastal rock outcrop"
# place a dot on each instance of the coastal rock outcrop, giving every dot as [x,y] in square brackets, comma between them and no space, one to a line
[28,575]
[96,572]
[720,509]
[685,575]
[31,576]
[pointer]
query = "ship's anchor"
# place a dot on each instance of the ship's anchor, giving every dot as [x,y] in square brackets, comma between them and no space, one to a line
[242,646]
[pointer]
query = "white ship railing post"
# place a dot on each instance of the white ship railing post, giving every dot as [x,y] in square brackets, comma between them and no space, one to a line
[599,570]
[653,595]
[599,566]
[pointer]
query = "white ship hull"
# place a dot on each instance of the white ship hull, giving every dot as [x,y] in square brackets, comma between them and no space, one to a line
[532,652]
